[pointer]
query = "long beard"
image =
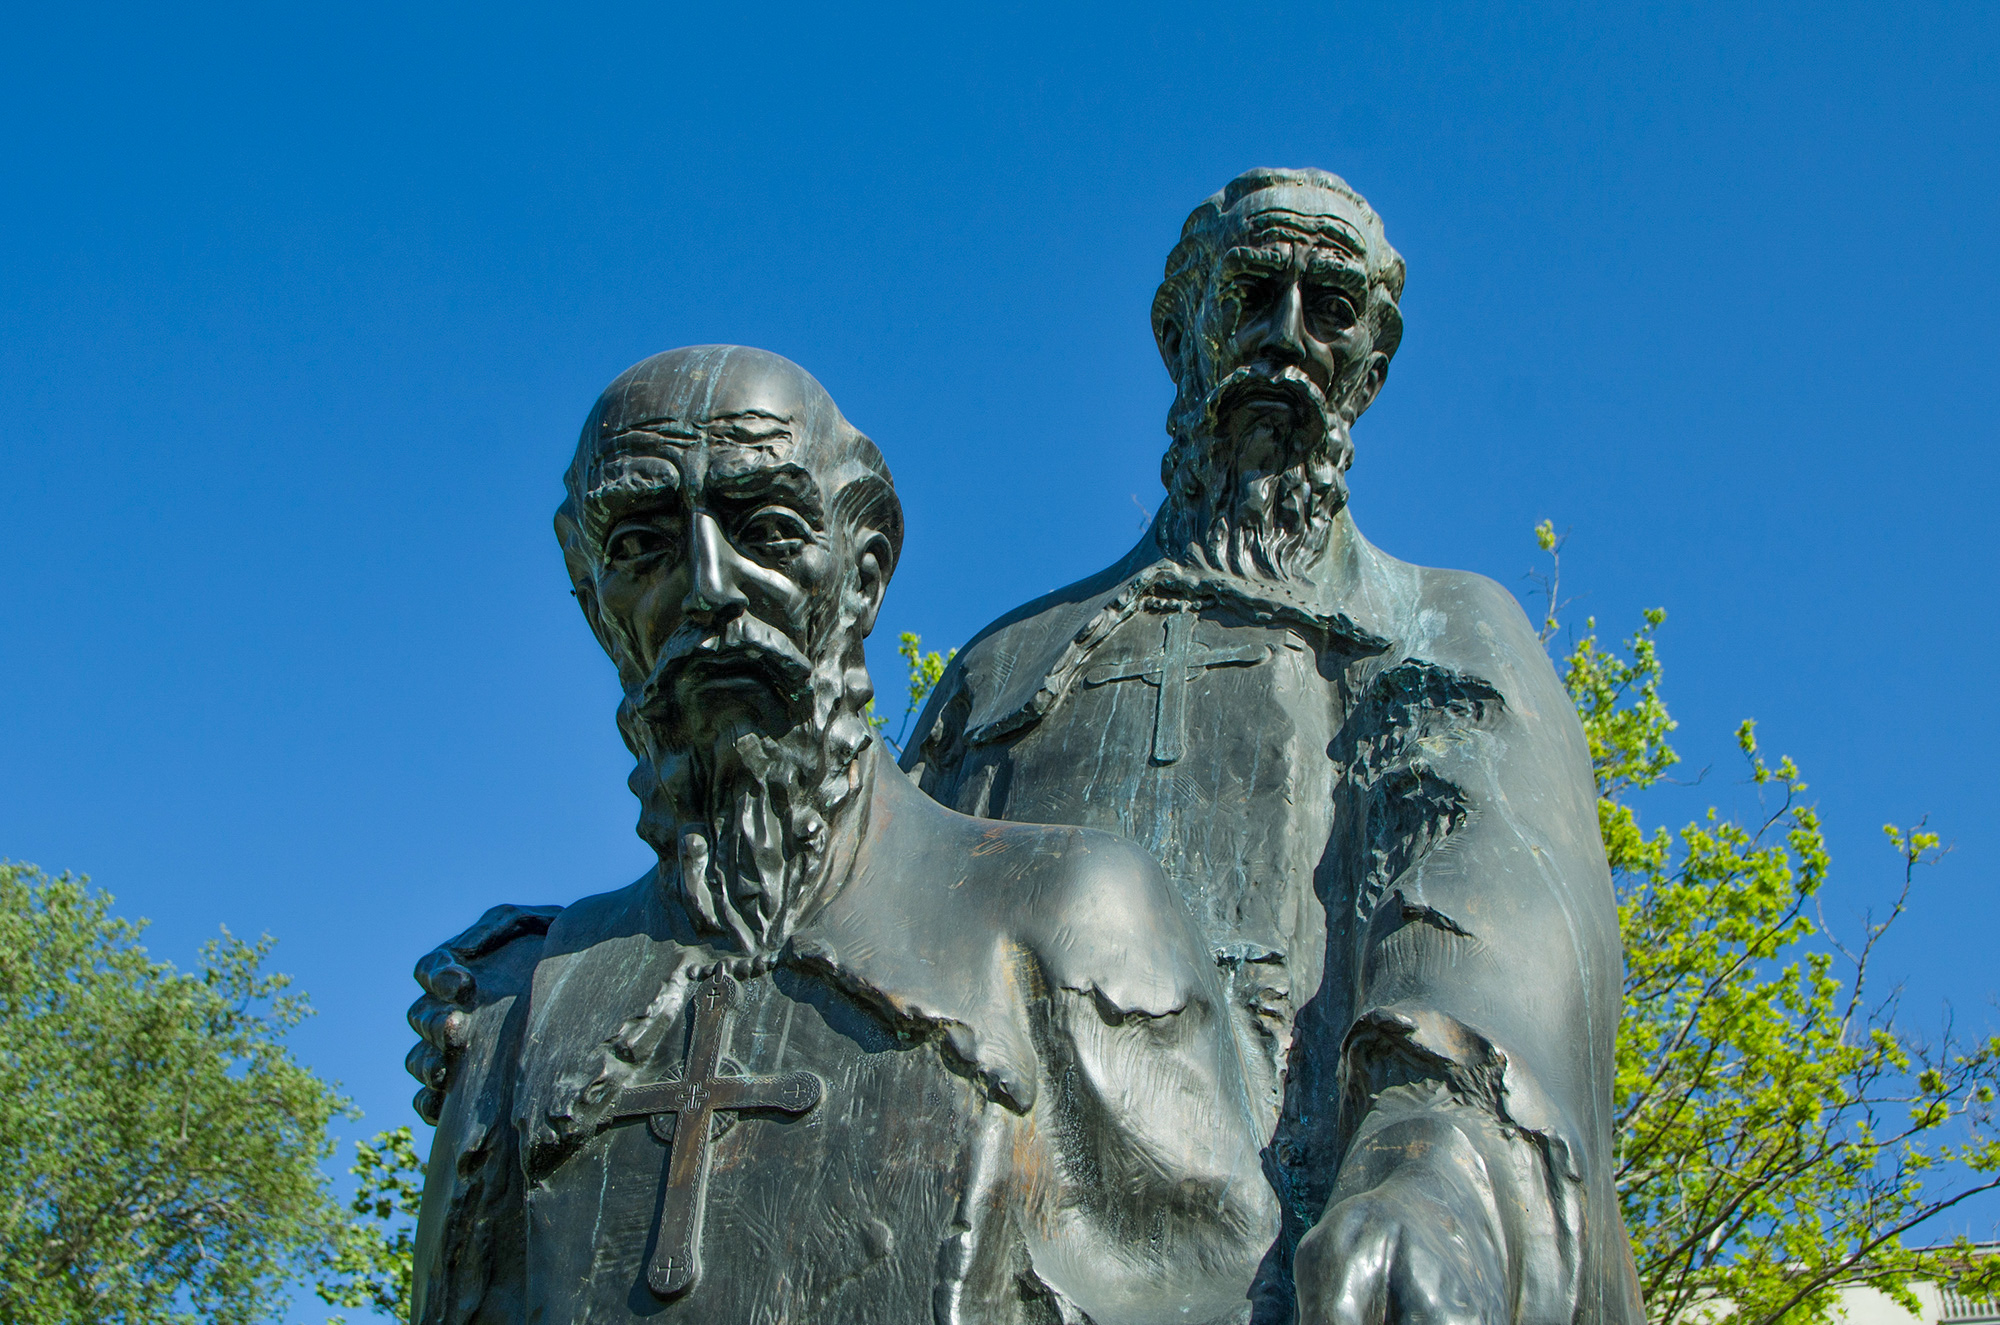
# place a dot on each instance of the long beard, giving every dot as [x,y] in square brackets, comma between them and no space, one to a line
[746,822]
[1255,476]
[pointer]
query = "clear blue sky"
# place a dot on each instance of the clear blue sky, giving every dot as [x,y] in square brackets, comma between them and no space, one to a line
[301,307]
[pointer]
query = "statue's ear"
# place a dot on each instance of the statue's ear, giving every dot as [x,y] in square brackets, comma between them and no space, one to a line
[1370,385]
[583,584]
[875,562]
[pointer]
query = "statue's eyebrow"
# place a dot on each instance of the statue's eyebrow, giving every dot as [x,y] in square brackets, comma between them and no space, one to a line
[629,485]
[625,483]
[759,482]
[1247,257]
[1339,269]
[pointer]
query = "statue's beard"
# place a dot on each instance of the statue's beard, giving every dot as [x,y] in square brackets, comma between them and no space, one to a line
[1255,475]
[743,811]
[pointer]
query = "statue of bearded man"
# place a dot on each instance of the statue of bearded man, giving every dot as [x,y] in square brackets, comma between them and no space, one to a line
[1366,781]
[844,1055]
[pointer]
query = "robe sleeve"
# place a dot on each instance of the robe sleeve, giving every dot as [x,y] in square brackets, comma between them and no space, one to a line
[1487,985]
[470,1266]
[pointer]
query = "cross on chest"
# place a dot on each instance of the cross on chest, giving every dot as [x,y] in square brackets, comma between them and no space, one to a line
[1179,661]
[689,1104]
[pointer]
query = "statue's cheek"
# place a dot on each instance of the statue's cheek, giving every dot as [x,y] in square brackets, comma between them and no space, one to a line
[641,610]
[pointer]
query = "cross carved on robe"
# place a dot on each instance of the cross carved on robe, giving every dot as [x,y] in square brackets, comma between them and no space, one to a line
[1179,662]
[688,1103]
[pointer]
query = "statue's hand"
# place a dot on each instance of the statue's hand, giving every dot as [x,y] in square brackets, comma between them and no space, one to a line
[450,990]
[1419,1249]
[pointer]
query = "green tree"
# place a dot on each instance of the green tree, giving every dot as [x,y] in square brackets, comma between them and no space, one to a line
[369,1263]
[163,1148]
[1779,1135]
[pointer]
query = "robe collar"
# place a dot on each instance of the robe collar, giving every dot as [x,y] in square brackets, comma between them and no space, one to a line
[1356,598]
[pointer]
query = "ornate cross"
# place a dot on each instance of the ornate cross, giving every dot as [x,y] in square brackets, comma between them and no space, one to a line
[689,1103]
[1180,662]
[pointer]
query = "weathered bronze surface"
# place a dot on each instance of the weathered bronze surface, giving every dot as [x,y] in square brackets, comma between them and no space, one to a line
[908,1065]
[1308,1017]
[1386,829]
[681,1111]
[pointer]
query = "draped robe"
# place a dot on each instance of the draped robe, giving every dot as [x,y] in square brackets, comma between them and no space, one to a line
[1376,799]
[1031,1107]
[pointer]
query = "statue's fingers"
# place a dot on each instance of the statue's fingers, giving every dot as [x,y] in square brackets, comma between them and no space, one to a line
[1445,1278]
[499,926]
[441,975]
[1361,1293]
[427,1065]
[429,1104]
[442,1026]
[1342,1267]
[1434,1292]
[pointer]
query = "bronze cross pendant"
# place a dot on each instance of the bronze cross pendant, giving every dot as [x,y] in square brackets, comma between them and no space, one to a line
[1180,662]
[692,1100]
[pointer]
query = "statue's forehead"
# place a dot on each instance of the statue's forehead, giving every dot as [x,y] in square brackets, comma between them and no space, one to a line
[722,394]
[1296,214]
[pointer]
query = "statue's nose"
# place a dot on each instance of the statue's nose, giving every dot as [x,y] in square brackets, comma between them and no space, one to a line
[1277,333]
[714,587]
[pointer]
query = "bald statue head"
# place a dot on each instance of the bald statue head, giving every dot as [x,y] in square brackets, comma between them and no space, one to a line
[1277,320]
[730,536]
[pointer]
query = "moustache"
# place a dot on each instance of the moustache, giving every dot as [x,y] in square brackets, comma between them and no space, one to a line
[744,643]
[1250,387]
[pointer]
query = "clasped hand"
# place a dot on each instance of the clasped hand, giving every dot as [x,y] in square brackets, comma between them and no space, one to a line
[1411,1237]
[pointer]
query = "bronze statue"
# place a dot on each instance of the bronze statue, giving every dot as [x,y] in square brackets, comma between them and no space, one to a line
[1365,779]
[845,1055]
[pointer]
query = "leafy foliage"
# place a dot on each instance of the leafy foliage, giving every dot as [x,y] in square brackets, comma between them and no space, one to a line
[1777,1134]
[370,1261]
[926,670]
[162,1146]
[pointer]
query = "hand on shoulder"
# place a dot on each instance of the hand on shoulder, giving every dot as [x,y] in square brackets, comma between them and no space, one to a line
[447,975]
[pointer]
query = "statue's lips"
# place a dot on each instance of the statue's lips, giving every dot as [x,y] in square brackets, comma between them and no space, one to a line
[748,654]
[1265,395]
[738,665]
[1287,404]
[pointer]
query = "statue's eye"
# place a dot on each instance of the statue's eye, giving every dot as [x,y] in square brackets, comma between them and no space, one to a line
[1254,290]
[1331,310]
[774,532]
[637,542]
